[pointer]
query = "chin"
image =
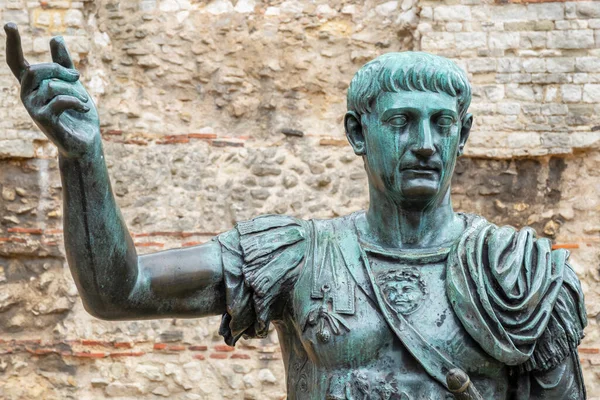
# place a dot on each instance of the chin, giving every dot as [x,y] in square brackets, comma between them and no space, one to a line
[420,192]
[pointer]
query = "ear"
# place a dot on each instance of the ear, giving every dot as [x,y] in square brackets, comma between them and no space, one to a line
[465,130]
[354,133]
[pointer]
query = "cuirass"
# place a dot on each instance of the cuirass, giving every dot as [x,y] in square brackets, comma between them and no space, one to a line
[351,353]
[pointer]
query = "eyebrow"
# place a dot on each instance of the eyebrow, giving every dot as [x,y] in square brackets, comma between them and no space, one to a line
[398,110]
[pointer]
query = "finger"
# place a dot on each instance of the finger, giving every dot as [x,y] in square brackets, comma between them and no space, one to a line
[14,51]
[60,54]
[37,73]
[57,88]
[62,103]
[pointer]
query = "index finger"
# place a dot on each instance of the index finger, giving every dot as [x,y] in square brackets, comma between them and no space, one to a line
[14,51]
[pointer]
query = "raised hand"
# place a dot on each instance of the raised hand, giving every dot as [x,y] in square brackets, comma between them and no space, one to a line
[54,96]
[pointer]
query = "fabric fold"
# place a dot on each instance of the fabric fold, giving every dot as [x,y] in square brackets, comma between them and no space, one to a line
[515,296]
[261,261]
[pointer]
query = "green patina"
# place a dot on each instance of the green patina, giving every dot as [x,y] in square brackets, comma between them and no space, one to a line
[405,300]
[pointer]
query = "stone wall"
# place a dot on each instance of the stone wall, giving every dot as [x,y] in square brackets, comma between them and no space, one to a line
[218,111]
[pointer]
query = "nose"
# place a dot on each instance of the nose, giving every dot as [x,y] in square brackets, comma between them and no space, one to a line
[424,142]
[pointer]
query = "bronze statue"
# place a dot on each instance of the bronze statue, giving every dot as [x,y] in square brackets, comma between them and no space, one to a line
[406,300]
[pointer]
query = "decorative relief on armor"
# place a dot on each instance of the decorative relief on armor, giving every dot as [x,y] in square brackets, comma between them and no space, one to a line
[325,319]
[404,290]
[366,385]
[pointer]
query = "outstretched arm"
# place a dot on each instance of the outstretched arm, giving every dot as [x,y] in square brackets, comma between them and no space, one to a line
[113,281]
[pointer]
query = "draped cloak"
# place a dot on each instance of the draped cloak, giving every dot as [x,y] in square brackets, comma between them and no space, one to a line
[518,298]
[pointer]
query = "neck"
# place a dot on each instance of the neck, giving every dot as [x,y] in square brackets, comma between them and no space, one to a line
[394,225]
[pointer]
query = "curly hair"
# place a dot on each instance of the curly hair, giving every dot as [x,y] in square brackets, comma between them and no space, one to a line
[406,275]
[408,71]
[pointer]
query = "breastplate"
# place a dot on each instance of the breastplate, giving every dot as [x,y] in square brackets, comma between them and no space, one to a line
[355,355]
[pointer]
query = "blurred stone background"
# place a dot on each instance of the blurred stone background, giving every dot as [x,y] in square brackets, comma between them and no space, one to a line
[217,111]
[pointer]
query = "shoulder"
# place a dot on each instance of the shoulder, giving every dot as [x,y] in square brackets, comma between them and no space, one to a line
[526,287]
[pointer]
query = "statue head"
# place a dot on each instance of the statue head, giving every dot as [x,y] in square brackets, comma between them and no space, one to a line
[407,117]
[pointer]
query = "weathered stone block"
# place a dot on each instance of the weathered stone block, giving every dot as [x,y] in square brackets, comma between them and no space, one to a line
[16,148]
[571,93]
[560,64]
[470,40]
[509,108]
[520,25]
[533,40]
[534,65]
[591,93]
[581,39]
[587,64]
[504,40]
[588,9]
[452,13]
[547,11]
[481,65]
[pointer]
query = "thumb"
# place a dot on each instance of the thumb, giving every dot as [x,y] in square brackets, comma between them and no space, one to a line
[60,54]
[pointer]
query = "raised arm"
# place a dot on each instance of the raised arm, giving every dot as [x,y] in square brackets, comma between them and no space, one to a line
[113,281]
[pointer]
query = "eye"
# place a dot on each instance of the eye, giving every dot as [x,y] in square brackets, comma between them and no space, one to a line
[445,121]
[398,121]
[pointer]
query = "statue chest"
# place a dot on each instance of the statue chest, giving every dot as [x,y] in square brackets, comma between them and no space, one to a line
[344,348]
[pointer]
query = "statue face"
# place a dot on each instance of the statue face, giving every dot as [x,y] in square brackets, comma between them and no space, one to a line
[411,143]
[405,296]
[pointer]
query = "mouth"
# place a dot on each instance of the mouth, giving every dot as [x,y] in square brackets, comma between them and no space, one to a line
[421,168]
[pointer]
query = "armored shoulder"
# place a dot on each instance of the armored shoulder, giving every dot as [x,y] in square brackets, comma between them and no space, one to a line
[262,258]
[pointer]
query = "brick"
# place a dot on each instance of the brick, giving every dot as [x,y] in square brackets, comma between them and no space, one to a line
[333,142]
[31,231]
[189,244]
[149,244]
[202,135]
[224,348]
[240,356]
[573,246]
[83,354]
[175,139]
[123,345]
[198,348]
[160,346]
[91,342]
[113,132]
[588,350]
[200,356]
[127,354]
[217,356]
